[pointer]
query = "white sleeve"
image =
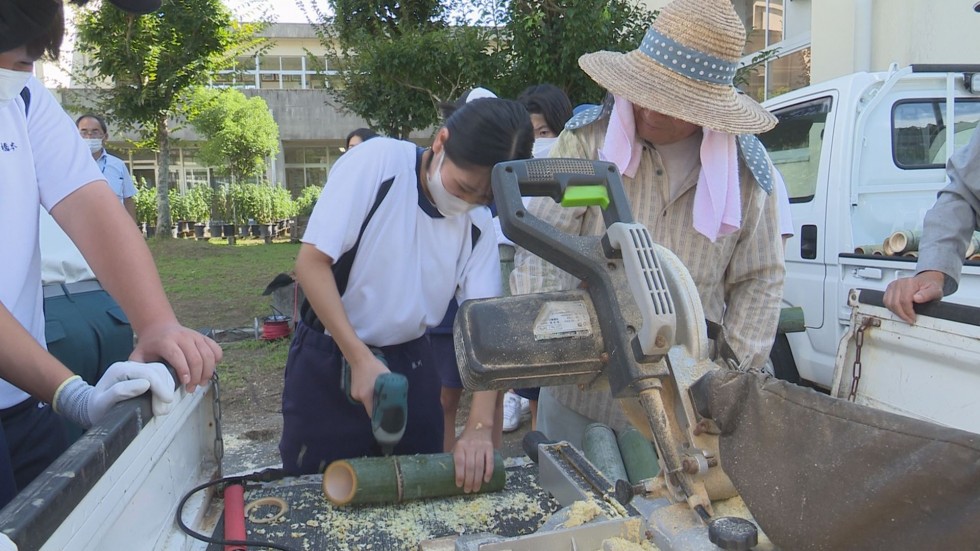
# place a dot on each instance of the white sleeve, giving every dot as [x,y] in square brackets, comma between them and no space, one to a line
[481,273]
[347,196]
[62,161]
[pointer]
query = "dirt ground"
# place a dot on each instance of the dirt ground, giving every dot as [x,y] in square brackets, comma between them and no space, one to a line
[252,415]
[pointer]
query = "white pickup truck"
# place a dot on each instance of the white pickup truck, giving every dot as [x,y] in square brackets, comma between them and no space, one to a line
[863,157]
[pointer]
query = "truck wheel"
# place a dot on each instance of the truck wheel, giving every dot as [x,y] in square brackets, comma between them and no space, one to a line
[784,366]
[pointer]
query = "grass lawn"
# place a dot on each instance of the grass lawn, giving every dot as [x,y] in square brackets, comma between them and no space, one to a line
[214,286]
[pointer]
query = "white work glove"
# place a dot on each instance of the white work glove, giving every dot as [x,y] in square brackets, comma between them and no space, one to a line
[86,405]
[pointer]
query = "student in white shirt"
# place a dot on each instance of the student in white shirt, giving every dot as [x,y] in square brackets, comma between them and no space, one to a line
[428,239]
[44,162]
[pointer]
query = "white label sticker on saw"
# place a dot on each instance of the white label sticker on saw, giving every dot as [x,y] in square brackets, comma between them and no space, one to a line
[558,320]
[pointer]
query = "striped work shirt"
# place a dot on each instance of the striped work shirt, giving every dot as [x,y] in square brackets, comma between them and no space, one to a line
[739,277]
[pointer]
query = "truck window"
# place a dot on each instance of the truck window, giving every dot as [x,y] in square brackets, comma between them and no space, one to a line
[919,130]
[794,146]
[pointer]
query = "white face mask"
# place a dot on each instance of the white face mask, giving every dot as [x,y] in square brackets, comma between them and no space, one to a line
[448,204]
[542,147]
[94,144]
[11,83]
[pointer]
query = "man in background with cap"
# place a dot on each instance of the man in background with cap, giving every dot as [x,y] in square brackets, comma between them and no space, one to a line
[44,162]
[695,175]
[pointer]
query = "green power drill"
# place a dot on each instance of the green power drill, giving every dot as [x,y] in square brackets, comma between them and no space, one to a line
[389,414]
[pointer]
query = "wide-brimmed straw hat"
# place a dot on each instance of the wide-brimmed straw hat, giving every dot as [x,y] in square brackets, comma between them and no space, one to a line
[684,68]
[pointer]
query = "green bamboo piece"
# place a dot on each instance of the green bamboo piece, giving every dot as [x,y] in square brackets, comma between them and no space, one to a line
[600,448]
[791,320]
[639,455]
[398,478]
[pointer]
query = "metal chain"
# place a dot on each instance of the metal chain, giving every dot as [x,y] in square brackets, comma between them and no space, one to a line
[858,344]
[219,444]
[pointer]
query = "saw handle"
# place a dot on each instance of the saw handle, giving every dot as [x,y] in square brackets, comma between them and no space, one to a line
[554,177]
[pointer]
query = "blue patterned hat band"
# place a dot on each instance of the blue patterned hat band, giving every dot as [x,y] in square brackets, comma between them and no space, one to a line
[687,61]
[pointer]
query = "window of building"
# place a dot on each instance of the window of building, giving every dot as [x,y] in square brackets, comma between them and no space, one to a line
[919,136]
[775,25]
[795,144]
[275,72]
[307,166]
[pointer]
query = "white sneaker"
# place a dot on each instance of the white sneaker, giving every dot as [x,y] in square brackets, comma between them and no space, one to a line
[512,411]
[525,407]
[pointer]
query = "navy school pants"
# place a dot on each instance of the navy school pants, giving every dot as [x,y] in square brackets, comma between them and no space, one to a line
[320,425]
[31,438]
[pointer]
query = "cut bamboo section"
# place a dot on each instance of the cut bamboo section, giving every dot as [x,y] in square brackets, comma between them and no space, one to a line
[639,456]
[868,249]
[911,254]
[886,247]
[904,241]
[399,478]
[974,246]
[974,258]
[600,448]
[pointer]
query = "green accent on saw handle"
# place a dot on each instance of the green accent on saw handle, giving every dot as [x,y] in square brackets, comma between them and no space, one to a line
[584,196]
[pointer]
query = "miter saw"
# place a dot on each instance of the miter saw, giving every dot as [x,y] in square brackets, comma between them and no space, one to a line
[636,324]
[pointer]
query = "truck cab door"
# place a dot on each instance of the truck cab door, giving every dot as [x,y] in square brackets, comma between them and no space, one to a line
[799,148]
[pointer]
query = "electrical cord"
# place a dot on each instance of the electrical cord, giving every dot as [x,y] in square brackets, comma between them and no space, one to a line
[266,475]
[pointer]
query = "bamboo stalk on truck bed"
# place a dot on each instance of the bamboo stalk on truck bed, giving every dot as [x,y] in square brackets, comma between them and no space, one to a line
[399,478]
[974,246]
[868,249]
[904,241]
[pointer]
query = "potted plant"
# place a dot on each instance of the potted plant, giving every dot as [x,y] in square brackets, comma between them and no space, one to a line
[146,207]
[178,210]
[198,205]
[304,207]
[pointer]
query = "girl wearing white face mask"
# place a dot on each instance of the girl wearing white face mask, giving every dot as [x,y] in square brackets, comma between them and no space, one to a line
[395,235]
[94,133]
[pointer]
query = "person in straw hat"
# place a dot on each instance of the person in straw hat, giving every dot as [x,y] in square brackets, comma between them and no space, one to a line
[695,175]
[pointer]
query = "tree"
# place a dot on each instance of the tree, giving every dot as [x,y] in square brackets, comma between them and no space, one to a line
[240,132]
[152,61]
[400,59]
[543,40]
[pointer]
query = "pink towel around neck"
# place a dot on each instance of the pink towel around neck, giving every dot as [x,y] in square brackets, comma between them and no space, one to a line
[620,145]
[717,202]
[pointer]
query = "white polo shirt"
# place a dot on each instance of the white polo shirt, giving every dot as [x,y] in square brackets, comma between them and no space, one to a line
[42,159]
[411,261]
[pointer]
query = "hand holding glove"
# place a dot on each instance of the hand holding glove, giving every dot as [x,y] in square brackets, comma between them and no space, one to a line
[86,405]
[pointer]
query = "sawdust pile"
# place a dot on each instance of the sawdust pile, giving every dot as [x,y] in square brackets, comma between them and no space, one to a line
[313,523]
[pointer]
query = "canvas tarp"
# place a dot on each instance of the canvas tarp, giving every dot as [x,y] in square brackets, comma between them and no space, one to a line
[824,473]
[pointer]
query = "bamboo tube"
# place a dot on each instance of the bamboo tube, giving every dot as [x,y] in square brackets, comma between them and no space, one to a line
[868,249]
[974,246]
[398,478]
[904,241]
[886,247]
[600,448]
[639,456]
[974,258]
[791,320]
[911,254]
